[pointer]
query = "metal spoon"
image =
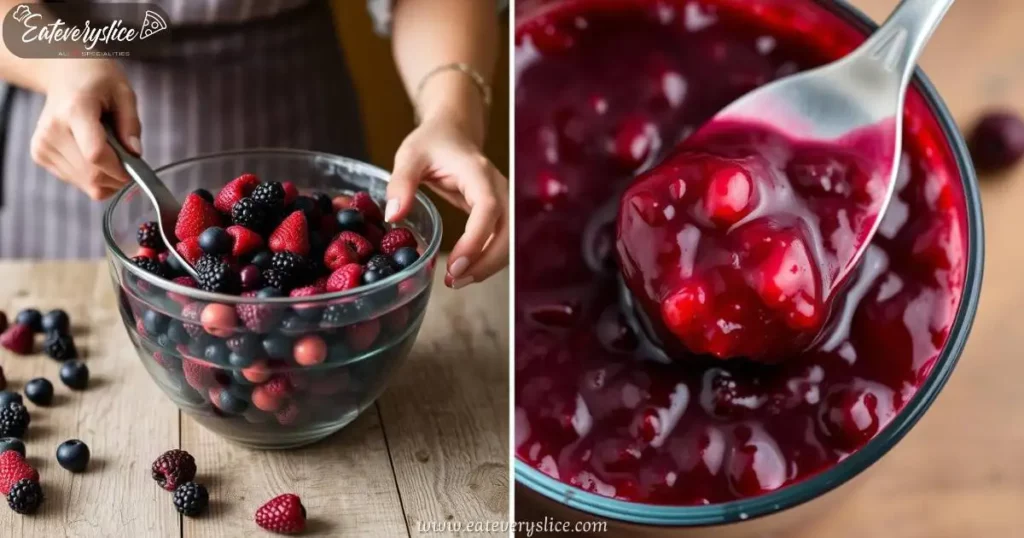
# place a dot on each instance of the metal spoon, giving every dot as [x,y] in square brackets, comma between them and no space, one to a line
[865,88]
[167,206]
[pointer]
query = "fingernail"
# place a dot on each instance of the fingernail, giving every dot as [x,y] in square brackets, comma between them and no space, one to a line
[458,267]
[461,282]
[135,144]
[391,209]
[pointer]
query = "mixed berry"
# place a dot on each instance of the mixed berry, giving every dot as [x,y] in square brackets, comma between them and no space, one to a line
[603,95]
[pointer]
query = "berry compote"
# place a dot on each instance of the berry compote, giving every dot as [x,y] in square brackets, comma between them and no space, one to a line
[605,88]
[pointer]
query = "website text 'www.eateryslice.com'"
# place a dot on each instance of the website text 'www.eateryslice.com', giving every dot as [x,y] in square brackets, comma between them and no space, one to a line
[520,528]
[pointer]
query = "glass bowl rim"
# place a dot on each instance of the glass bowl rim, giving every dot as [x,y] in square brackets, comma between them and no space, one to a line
[361,167]
[821,483]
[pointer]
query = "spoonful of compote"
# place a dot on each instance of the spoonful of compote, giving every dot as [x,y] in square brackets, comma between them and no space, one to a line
[739,243]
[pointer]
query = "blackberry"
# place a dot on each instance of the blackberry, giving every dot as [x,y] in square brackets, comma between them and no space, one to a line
[289,262]
[60,346]
[173,468]
[149,265]
[191,499]
[25,496]
[269,195]
[14,420]
[381,264]
[149,235]
[249,213]
[217,276]
[278,279]
[340,314]
[324,203]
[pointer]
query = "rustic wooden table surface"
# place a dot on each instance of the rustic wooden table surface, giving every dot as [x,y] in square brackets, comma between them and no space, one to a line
[433,448]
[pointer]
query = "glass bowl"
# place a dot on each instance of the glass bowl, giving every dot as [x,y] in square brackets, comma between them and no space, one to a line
[229,361]
[778,512]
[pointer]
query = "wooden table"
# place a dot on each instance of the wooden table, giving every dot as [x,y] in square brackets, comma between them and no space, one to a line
[433,448]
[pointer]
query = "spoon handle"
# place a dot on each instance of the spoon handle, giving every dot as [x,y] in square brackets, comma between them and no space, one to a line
[896,46]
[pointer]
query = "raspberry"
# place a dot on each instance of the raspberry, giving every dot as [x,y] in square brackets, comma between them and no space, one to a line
[278,386]
[173,468]
[18,339]
[191,499]
[193,312]
[361,245]
[288,415]
[338,254]
[283,514]
[26,496]
[365,204]
[258,318]
[345,278]
[149,265]
[199,376]
[14,468]
[148,236]
[396,239]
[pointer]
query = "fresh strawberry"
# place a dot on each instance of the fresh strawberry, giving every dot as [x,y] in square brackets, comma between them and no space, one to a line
[283,514]
[199,375]
[278,386]
[338,254]
[258,318]
[363,203]
[291,192]
[190,250]
[238,188]
[288,415]
[13,468]
[17,339]
[396,239]
[362,247]
[186,281]
[362,335]
[246,240]
[292,235]
[196,215]
[345,278]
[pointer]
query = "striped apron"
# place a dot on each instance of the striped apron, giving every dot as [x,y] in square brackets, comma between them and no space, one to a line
[239,74]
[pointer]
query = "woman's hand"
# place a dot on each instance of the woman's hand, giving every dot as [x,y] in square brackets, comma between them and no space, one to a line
[444,156]
[70,141]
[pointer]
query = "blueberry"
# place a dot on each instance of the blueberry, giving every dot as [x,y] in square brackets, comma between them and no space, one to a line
[73,455]
[997,141]
[307,205]
[164,342]
[154,322]
[350,220]
[238,360]
[242,391]
[294,323]
[7,397]
[217,352]
[177,333]
[12,443]
[75,374]
[370,276]
[204,194]
[39,391]
[277,347]
[214,240]
[309,313]
[32,318]
[231,403]
[269,293]
[262,259]
[56,321]
[245,344]
[197,347]
[174,265]
[405,256]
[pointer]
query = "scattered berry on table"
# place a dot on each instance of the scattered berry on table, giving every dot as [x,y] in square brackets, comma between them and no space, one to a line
[270,195]
[73,455]
[12,443]
[26,496]
[395,239]
[236,189]
[217,241]
[75,375]
[405,257]
[60,346]
[148,236]
[7,397]
[39,391]
[14,468]
[997,141]
[173,468]
[56,321]
[149,265]
[30,317]
[18,338]
[283,514]
[191,499]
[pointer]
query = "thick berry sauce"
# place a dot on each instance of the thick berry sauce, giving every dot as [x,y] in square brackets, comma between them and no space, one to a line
[604,90]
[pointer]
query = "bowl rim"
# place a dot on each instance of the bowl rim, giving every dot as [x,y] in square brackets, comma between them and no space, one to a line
[821,483]
[429,252]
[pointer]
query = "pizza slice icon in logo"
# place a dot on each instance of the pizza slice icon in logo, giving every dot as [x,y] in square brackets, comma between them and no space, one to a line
[21,12]
[152,24]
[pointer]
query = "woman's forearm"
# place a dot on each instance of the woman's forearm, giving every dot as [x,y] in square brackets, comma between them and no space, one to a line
[431,33]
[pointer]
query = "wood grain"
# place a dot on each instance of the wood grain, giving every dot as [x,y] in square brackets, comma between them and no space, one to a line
[121,416]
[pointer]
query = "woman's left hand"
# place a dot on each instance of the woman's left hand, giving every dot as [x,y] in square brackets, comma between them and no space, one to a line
[440,154]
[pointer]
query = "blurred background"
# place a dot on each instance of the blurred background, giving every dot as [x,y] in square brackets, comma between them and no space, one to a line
[387,112]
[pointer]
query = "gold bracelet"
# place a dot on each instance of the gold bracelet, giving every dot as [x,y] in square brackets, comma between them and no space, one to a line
[465,69]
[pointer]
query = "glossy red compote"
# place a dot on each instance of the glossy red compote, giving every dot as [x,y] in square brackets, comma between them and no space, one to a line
[604,89]
[736,243]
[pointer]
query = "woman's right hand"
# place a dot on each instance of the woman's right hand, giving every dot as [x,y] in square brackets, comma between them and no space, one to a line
[70,141]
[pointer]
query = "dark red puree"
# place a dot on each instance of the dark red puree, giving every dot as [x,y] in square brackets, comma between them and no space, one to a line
[604,90]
